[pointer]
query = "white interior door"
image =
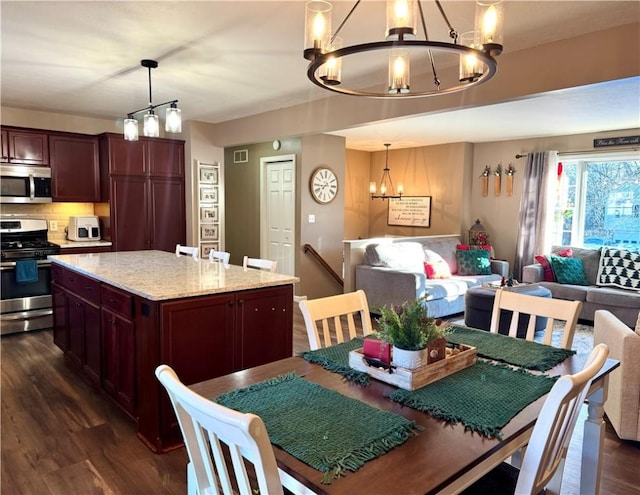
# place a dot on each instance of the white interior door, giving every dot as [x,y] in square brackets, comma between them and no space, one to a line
[277,217]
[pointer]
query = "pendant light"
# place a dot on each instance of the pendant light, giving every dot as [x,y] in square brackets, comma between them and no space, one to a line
[385,190]
[151,128]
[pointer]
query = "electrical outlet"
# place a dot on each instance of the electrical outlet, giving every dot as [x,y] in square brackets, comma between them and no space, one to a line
[312,219]
[53,225]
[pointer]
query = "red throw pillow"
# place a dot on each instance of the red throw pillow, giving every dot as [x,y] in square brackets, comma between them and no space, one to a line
[437,269]
[548,275]
[467,247]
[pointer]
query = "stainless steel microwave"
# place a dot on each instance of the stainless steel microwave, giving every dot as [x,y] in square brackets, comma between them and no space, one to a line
[25,184]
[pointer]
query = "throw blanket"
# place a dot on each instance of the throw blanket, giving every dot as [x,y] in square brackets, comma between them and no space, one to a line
[336,359]
[518,352]
[320,427]
[483,397]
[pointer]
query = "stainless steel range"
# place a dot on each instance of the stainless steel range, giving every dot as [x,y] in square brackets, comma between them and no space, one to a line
[26,275]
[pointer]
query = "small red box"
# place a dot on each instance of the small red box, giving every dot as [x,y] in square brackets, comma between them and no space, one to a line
[376,349]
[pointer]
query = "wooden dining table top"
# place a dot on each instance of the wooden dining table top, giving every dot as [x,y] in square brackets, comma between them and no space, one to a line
[426,463]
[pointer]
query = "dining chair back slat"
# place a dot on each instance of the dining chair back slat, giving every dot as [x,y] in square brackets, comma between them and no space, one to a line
[187,250]
[262,264]
[524,304]
[222,256]
[331,312]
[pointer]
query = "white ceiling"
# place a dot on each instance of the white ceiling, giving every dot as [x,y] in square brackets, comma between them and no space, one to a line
[229,59]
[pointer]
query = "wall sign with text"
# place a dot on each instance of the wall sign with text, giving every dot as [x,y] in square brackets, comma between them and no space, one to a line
[616,141]
[410,211]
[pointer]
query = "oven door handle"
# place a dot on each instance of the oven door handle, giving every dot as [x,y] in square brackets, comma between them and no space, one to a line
[24,315]
[10,265]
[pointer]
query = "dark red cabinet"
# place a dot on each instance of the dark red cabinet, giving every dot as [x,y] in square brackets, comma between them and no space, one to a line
[118,339]
[25,147]
[144,181]
[75,168]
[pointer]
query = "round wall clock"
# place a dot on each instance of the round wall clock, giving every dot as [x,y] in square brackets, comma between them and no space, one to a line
[323,185]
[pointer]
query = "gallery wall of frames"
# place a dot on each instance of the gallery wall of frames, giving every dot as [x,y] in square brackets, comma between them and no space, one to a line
[210,208]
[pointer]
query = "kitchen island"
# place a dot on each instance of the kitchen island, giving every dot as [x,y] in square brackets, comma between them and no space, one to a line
[119,315]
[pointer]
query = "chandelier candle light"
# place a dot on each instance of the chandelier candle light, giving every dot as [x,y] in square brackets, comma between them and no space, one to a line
[386,185]
[151,128]
[474,52]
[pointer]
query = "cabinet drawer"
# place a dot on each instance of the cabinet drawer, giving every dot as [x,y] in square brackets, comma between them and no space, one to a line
[117,301]
[85,287]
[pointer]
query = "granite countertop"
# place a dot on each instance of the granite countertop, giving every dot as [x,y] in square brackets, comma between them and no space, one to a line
[81,244]
[159,275]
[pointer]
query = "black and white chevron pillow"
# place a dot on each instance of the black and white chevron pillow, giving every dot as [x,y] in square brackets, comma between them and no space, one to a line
[619,268]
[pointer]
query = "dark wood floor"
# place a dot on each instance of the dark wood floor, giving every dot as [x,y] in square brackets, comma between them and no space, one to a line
[61,437]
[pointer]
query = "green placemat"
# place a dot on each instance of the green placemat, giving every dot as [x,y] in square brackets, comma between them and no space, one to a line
[320,427]
[483,397]
[336,359]
[519,352]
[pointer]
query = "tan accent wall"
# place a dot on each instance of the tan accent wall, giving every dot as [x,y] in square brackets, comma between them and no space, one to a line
[436,171]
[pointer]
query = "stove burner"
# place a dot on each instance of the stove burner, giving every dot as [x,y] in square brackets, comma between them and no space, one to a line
[25,239]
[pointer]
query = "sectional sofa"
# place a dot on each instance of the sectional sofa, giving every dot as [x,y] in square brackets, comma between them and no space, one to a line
[392,271]
[611,280]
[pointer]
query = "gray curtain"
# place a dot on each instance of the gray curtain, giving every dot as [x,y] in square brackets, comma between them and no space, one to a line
[533,208]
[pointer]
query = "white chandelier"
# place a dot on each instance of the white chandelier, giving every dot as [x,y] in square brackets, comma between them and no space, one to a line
[151,128]
[475,50]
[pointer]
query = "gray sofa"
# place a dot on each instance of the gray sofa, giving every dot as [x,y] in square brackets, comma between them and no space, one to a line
[623,303]
[393,272]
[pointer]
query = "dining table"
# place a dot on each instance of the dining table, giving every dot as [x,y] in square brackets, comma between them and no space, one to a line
[443,457]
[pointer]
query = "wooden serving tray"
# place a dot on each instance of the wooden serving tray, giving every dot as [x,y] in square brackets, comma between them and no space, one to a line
[414,379]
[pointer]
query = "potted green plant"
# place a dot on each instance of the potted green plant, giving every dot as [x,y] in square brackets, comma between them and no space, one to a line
[411,332]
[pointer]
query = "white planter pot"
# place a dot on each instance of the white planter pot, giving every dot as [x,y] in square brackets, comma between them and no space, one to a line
[408,359]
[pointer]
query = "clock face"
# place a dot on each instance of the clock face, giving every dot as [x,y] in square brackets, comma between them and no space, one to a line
[323,185]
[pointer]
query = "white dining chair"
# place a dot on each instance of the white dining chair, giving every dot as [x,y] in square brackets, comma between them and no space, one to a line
[222,256]
[262,264]
[323,318]
[187,250]
[524,304]
[218,440]
[543,462]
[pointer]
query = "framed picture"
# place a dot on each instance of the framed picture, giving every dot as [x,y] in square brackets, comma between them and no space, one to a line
[206,247]
[209,213]
[410,211]
[209,232]
[208,175]
[209,194]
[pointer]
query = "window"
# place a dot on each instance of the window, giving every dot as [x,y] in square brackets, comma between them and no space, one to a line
[597,200]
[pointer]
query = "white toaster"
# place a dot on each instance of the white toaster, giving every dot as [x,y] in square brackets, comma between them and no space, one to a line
[84,229]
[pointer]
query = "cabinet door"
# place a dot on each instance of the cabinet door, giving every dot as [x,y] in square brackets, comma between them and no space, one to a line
[60,330]
[129,217]
[92,362]
[28,148]
[197,337]
[166,158]
[264,326]
[75,325]
[4,146]
[75,174]
[126,157]
[118,354]
[167,214]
